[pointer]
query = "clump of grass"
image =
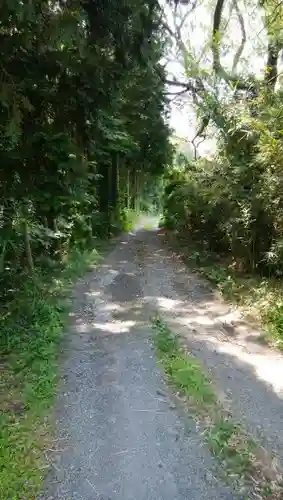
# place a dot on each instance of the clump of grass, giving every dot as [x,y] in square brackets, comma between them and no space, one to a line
[148,226]
[129,218]
[31,329]
[183,371]
[226,439]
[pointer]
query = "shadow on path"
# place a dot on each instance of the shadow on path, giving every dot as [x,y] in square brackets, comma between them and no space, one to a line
[119,437]
[248,376]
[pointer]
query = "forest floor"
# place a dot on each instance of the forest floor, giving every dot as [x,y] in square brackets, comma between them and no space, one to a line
[123,430]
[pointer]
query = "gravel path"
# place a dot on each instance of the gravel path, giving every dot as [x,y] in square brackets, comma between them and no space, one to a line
[119,436]
[247,375]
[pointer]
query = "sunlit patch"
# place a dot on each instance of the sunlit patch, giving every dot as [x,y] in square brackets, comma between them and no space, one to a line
[115,327]
[200,319]
[112,306]
[83,328]
[270,369]
[206,322]
[93,294]
[230,317]
[167,303]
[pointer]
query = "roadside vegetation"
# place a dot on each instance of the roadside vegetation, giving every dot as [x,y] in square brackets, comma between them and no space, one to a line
[239,455]
[226,207]
[32,327]
[199,220]
[260,298]
[83,143]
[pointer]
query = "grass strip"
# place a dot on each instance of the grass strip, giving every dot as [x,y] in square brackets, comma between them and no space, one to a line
[226,439]
[184,372]
[31,329]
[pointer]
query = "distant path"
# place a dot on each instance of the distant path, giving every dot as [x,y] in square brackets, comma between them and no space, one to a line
[119,437]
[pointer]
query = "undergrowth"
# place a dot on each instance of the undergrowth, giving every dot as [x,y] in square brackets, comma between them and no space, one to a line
[31,329]
[226,439]
[129,218]
[184,372]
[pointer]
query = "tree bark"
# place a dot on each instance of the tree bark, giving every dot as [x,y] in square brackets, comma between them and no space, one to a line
[28,247]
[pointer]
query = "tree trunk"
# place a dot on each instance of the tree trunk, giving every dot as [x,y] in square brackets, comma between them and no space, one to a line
[28,247]
[103,197]
[128,189]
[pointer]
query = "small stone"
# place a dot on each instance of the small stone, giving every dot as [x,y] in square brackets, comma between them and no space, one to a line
[161,393]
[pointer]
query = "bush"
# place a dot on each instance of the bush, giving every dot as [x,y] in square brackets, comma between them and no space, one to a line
[233,204]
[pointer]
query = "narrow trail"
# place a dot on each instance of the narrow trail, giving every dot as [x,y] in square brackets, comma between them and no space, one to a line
[119,435]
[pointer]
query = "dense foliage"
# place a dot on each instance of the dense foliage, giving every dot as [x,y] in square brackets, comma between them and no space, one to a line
[233,203]
[82,122]
[83,135]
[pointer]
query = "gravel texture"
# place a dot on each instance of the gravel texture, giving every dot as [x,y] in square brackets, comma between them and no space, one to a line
[119,436]
[247,375]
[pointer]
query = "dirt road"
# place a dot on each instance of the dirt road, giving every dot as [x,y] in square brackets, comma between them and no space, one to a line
[119,436]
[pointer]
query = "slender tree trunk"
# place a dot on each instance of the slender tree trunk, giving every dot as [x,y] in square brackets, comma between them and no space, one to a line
[28,247]
[128,189]
[103,196]
[137,194]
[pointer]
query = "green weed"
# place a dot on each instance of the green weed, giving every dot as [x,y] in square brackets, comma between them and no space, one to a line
[183,371]
[148,227]
[31,330]
[129,218]
[226,439]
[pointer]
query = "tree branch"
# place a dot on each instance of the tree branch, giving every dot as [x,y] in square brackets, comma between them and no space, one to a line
[217,66]
[176,94]
[215,35]
[187,87]
[271,70]
[244,37]
[201,134]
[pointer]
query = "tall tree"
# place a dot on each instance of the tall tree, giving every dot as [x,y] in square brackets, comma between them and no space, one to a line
[83,112]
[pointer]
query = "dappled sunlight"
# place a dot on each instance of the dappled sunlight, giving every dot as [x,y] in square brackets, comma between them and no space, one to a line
[115,326]
[112,306]
[141,280]
[269,369]
[193,310]
[228,317]
[199,319]
[113,301]
[167,303]
[147,223]
[110,317]
[93,293]
[82,327]
[113,272]
[207,325]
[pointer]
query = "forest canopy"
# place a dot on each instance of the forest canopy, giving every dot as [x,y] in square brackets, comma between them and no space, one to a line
[83,121]
[83,135]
